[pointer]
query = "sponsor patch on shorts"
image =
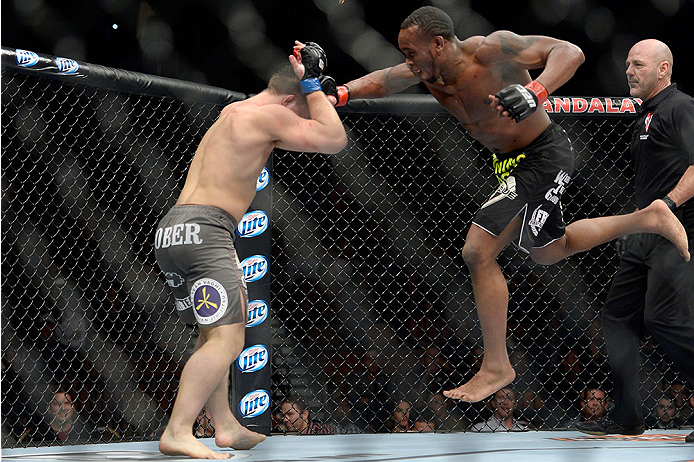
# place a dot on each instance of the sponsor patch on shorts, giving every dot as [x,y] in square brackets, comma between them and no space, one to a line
[210,300]
[507,189]
[183,304]
[537,220]
[173,279]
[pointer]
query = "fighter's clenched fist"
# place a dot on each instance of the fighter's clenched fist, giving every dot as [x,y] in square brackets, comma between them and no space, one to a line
[518,102]
[309,61]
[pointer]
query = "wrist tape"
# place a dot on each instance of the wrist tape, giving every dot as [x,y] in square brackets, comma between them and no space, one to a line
[342,95]
[310,85]
[539,90]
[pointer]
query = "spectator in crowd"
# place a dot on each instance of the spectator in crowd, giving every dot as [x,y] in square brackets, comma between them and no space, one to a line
[370,390]
[572,374]
[424,426]
[433,374]
[425,324]
[61,424]
[593,403]
[297,418]
[685,416]
[278,422]
[663,416]
[682,399]
[399,420]
[423,421]
[447,417]
[346,419]
[502,404]
[532,408]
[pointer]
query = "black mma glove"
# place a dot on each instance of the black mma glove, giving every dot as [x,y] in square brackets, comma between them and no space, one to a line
[521,101]
[329,86]
[315,61]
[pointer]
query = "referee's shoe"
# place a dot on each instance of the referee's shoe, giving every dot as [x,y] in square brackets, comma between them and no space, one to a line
[607,426]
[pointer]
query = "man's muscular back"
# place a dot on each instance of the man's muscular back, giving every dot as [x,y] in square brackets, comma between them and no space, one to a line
[230,157]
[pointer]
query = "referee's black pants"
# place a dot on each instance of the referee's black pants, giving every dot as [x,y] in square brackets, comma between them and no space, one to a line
[653,288]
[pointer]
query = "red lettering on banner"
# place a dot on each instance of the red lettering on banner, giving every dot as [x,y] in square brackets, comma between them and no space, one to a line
[608,106]
[596,106]
[604,105]
[627,106]
[562,104]
[580,105]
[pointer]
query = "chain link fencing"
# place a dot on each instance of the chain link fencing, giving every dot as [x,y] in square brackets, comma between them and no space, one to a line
[86,175]
[372,304]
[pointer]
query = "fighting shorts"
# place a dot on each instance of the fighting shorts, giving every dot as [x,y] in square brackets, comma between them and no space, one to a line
[194,247]
[531,182]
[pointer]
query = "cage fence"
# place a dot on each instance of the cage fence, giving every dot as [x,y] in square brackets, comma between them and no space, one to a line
[372,304]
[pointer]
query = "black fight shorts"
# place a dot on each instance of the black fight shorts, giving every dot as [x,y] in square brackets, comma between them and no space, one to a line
[194,247]
[531,182]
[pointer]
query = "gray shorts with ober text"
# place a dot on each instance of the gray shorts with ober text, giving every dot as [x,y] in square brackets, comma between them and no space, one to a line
[194,247]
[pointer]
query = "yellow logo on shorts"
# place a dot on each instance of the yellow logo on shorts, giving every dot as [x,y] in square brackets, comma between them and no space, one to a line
[209,300]
[503,168]
[205,300]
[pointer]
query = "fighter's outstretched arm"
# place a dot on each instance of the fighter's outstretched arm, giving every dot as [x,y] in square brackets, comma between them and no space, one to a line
[378,84]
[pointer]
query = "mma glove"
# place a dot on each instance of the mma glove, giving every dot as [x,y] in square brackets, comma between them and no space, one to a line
[329,86]
[315,61]
[521,101]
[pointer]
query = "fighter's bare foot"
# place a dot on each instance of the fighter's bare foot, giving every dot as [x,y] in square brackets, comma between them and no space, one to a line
[186,445]
[667,225]
[483,384]
[238,438]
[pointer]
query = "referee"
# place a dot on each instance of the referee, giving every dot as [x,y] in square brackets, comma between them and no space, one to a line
[654,286]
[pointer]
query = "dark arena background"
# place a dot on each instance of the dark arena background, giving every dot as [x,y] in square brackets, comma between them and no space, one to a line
[366,303]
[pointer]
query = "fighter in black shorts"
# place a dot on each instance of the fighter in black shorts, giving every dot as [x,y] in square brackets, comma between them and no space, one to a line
[531,182]
[485,84]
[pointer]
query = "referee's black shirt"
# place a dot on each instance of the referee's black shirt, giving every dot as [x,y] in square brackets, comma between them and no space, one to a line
[662,148]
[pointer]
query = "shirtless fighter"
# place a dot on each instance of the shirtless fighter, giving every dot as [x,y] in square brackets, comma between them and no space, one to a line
[194,242]
[484,82]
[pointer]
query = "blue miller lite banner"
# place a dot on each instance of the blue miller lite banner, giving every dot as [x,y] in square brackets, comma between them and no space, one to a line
[251,371]
[254,404]
[43,64]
